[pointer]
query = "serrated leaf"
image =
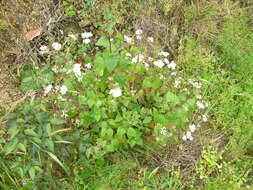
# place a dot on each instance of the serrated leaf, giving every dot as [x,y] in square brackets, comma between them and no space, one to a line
[103,41]
[172,98]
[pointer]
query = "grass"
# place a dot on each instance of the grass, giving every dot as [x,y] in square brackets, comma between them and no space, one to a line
[213,43]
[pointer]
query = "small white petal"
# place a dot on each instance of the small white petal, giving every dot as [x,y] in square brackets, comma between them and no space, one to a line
[159,63]
[205,118]
[56,46]
[138,37]
[86,35]
[138,32]
[88,65]
[116,92]
[192,128]
[200,105]
[63,89]
[128,39]
[128,55]
[43,50]
[188,134]
[198,96]
[86,41]
[184,138]
[177,83]
[150,39]
[164,53]
[172,65]
[73,36]
[48,89]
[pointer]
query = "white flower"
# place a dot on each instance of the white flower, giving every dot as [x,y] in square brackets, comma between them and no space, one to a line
[86,41]
[198,96]
[138,32]
[63,89]
[204,118]
[128,39]
[161,76]
[150,39]
[138,58]
[192,128]
[64,114]
[177,83]
[57,46]
[189,135]
[159,63]
[164,131]
[173,73]
[200,105]
[150,58]
[184,138]
[164,53]
[138,37]
[88,65]
[194,84]
[73,36]
[172,65]
[48,89]
[166,60]
[128,55]
[43,50]
[86,35]
[54,69]
[146,65]
[77,70]
[116,92]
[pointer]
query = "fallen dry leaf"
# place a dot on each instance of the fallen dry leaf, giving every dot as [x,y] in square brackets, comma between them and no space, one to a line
[33,33]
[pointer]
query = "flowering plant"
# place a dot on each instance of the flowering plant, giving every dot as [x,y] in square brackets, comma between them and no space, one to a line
[120,96]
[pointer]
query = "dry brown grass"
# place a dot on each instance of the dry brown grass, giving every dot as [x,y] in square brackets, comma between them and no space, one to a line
[19,17]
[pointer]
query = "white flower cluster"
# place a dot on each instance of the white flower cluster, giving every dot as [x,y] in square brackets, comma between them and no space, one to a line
[128,39]
[86,37]
[138,58]
[138,34]
[116,92]
[56,46]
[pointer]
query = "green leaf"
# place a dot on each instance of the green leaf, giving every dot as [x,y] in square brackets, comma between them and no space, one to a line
[111,64]
[30,132]
[172,98]
[8,148]
[121,131]
[57,121]
[103,41]
[131,132]
[31,172]
[22,147]
[147,83]
[13,131]
[147,120]
[56,160]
